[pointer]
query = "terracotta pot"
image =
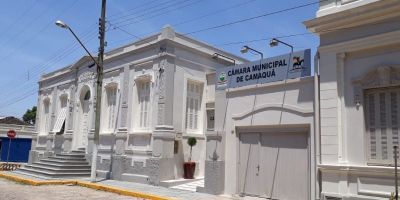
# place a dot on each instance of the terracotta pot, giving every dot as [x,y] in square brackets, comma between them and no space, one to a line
[188,169]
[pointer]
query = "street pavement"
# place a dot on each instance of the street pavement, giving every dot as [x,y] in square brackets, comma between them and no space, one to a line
[10,190]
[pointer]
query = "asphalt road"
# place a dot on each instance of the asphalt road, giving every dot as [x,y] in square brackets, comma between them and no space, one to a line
[15,191]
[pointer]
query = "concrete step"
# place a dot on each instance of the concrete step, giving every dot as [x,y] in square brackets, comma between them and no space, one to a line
[62,165]
[192,186]
[64,162]
[53,174]
[79,151]
[57,170]
[137,178]
[70,155]
[66,158]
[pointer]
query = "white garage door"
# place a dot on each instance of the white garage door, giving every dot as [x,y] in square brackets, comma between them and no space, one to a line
[274,165]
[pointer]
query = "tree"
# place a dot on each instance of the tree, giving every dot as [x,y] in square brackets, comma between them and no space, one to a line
[191,142]
[30,115]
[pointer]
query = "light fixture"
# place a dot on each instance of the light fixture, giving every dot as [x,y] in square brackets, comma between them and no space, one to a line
[273,43]
[61,24]
[244,49]
[216,55]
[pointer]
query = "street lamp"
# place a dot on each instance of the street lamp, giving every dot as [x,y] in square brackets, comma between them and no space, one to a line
[273,43]
[246,49]
[216,55]
[99,81]
[64,25]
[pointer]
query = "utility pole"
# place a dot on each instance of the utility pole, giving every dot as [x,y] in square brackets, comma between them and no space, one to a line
[395,174]
[100,58]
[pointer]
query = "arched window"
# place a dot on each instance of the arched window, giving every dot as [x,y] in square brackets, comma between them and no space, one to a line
[87,96]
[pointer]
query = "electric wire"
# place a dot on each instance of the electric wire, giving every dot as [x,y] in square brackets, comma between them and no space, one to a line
[30,39]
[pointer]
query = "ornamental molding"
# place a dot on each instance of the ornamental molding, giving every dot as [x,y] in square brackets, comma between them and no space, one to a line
[380,77]
[86,77]
[273,106]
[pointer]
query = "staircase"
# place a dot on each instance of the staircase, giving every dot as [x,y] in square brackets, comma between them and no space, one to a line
[62,165]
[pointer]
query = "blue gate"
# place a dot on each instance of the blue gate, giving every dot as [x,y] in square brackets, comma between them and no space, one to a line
[19,150]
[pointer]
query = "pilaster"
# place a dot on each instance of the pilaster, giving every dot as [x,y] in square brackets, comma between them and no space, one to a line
[342,154]
[164,133]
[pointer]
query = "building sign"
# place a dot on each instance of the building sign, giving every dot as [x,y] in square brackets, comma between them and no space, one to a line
[264,71]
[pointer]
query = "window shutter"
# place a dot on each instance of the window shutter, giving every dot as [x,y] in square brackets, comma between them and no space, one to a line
[193,102]
[382,120]
[394,99]
[383,125]
[372,133]
[144,102]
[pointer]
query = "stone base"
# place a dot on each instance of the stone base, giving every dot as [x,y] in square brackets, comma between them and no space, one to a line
[214,177]
[34,156]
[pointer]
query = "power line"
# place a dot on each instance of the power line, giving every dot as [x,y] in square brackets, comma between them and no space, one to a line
[12,24]
[252,18]
[198,17]
[136,18]
[23,44]
[62,53]
[146,8]
[30,23]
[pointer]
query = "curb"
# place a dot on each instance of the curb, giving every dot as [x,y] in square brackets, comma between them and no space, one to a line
[95,186]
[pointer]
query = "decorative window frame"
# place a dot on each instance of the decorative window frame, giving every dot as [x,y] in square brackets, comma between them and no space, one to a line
[381,77]
[105,108]
[200,118]
[135,119]
[45,124]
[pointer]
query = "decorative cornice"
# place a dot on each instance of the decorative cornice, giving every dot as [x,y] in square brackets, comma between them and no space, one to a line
[366,14]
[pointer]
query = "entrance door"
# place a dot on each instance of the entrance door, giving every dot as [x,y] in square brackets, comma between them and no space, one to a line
[284,166]
[85,123]
[274,165]
[249,149]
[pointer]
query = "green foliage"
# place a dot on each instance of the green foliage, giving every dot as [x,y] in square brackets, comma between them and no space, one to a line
[391,196]
[30,115]
[192,141]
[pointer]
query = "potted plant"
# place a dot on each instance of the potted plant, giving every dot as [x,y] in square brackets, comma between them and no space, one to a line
[189,167]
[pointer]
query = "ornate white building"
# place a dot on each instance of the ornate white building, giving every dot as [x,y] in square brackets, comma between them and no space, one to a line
[157,92]
[359,114]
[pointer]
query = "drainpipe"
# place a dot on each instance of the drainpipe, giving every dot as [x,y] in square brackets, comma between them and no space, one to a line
[317,117]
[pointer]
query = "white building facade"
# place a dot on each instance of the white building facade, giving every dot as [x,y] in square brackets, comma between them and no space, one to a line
[359,96]
[156,93]
[263,144]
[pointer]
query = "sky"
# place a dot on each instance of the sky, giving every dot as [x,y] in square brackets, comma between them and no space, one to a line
[32,45]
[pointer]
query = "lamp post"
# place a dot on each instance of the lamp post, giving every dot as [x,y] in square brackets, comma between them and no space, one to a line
[246,49]
[216,55]
[273,43]
[99,63]
[64,25]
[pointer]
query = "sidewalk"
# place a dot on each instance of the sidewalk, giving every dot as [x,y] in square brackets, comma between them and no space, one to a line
[120,187]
